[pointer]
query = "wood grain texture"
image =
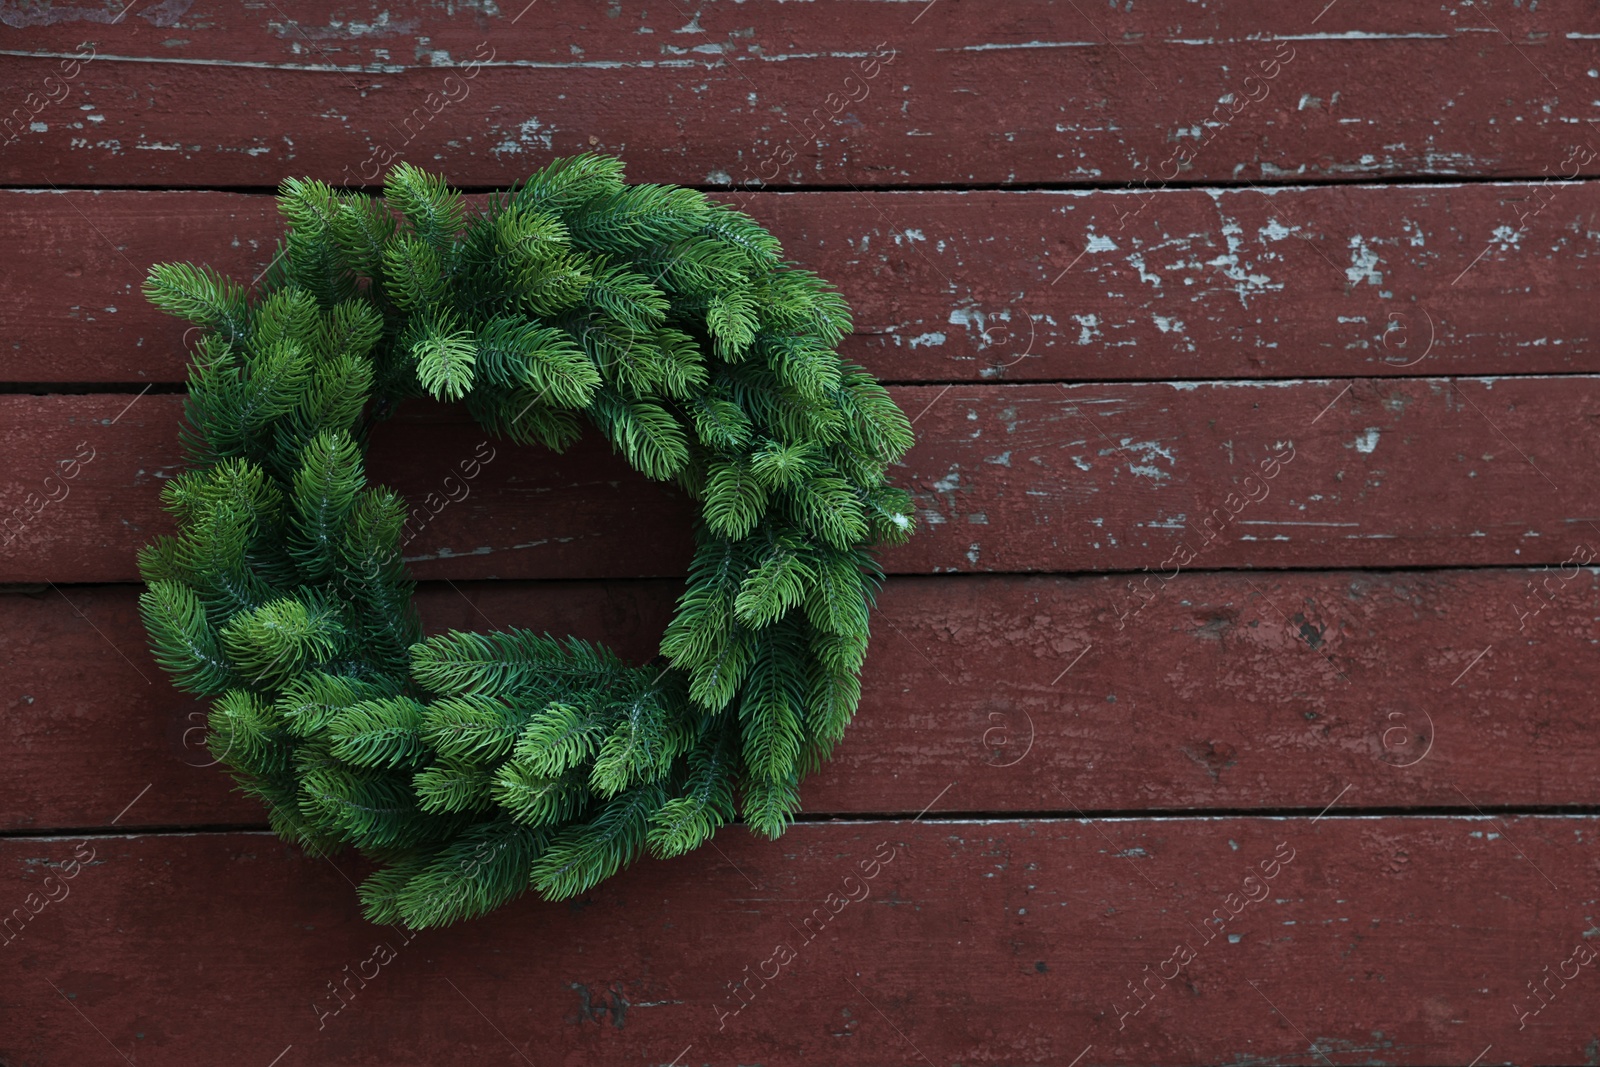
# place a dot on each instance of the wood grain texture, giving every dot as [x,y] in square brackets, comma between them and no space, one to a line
[1383,473]
[1441,689]
[1014,942]
[1103,380]
[1034,92]
[976,286]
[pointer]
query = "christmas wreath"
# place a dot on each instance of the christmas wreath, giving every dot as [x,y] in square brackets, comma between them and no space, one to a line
[469,766]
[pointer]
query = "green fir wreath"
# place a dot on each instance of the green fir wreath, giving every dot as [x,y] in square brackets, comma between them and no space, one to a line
[470,766]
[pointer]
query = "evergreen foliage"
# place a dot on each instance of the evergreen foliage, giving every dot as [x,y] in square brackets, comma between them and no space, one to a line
[475,766]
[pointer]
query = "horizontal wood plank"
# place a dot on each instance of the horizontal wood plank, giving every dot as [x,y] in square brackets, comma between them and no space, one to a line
[1337,941]
[1383,473]
[866,94]
[1232,691]
[975,286]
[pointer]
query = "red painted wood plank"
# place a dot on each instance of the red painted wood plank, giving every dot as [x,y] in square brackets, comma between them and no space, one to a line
[970,286]
[1248,692]
[1386,473]
[1258,941]
[78,313]
[862,93]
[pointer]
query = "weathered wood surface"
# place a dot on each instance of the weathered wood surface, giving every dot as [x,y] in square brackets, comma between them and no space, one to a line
[1420,734]
[1394,940]
[833,93]
[1442,689]
[1386,473]
[976,286]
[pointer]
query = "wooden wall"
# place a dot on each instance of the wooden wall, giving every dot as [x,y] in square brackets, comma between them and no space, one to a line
[1232,705]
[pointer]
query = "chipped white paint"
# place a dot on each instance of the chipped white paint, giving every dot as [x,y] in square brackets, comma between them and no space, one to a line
[1363,263]
[1274,522]
[396,68]
[1275,231]
[1150,452]
[1006,46]
[1089,327]
[531,133]
[1360,35]
[1136,261]
[1247,282]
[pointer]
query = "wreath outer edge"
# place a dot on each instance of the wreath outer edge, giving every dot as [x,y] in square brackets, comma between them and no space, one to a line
[472,767]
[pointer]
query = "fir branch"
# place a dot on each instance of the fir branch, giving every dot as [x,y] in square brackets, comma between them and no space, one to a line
[520,415]
[566,184]
[509,663]
[472,729]
[483,868]
[771,705]
[445,356]
[326,487]
[539,800]
[721,424]
[735,499]
[560,737]
[705,800]
[431,209]
[200,295]
[775,584]
[515,351]
[638,216]
[386,732]
[769,805]
[454,786]
[643,431]
[309,702]
[584,854]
